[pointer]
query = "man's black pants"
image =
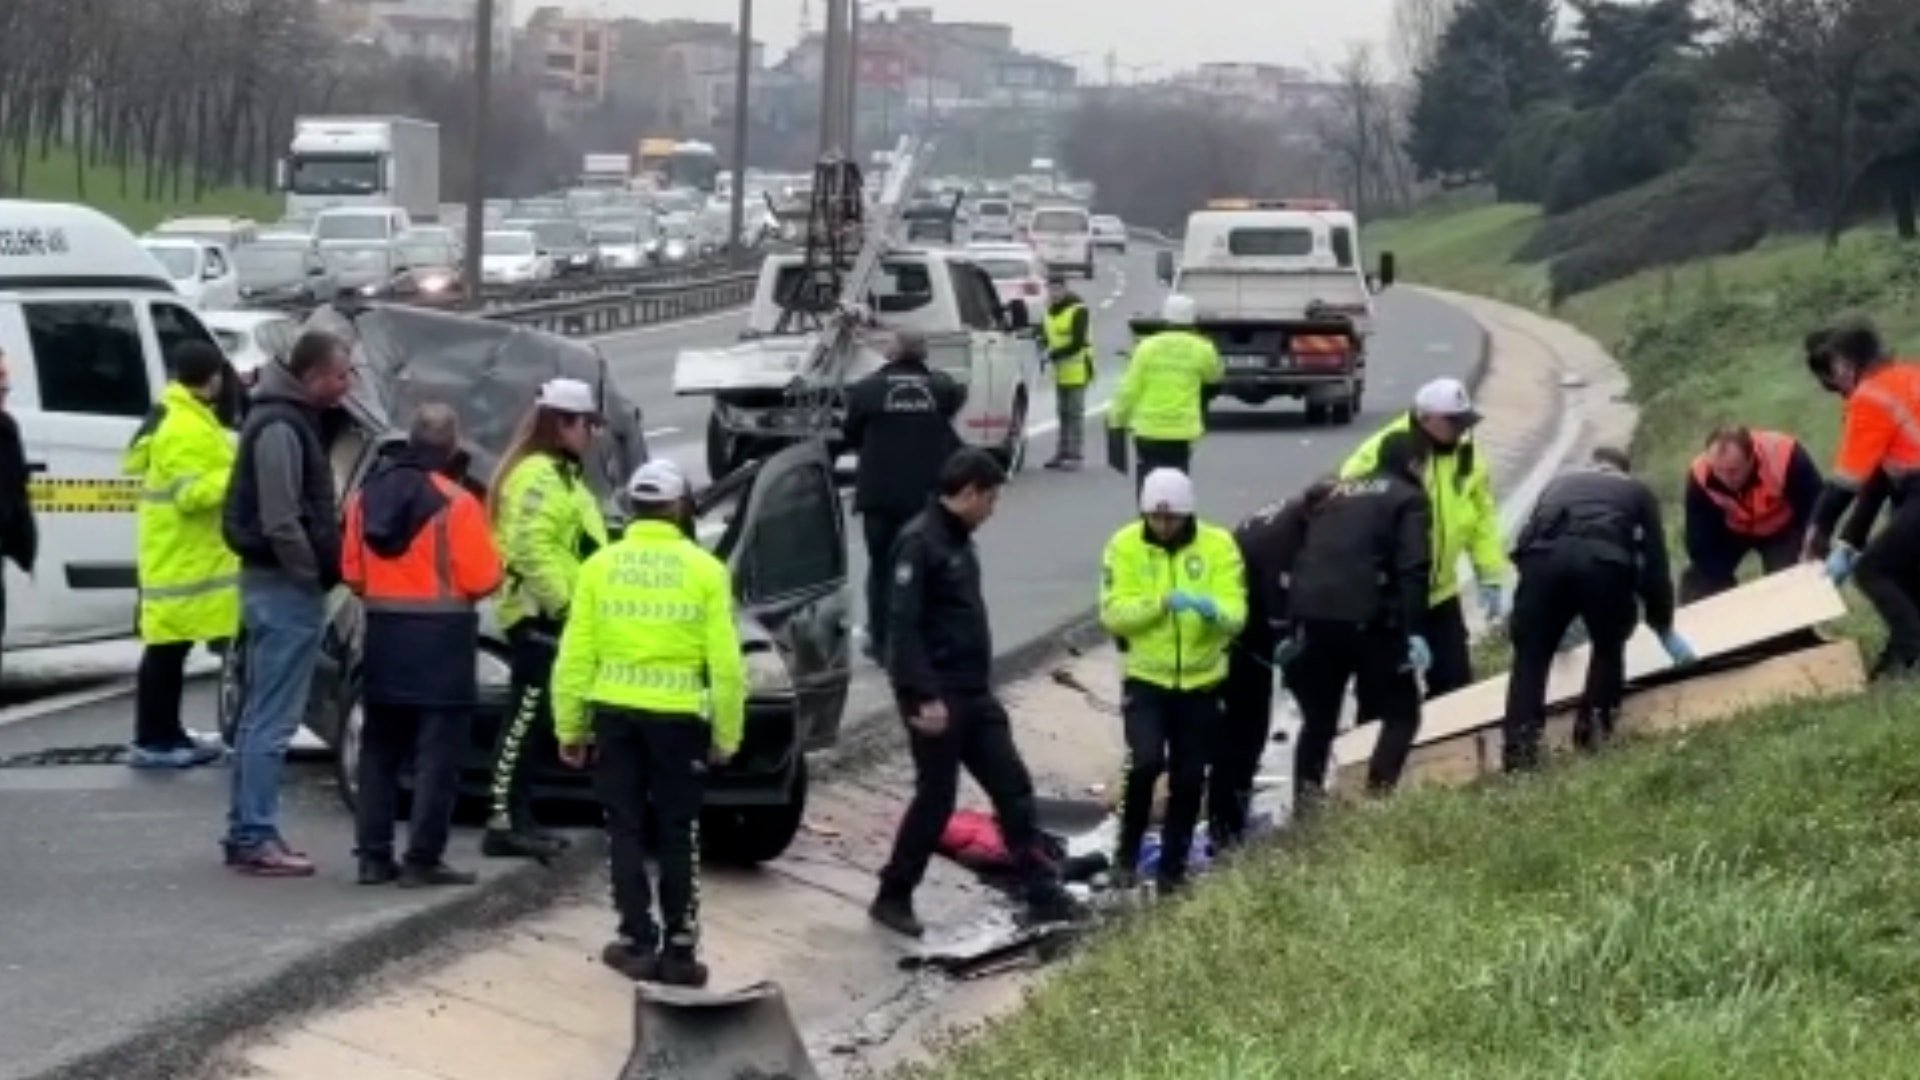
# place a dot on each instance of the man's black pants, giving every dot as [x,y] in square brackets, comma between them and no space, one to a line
[978,738]
[434,741]
[1556,587]
[156,700]
[1444,626]
[1247,699]
[882,528]
[652,760]
[1170,732]
[1151,454]
[1777,553]
[526,735]
[1333,654]
[1888,572]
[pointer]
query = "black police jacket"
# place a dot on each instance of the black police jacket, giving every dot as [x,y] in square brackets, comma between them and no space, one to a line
[1366,556]
[1270,542]
[1608,517]
[938,640]
[900,422]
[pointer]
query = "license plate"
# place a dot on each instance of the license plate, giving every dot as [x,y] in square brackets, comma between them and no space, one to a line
[1243,363]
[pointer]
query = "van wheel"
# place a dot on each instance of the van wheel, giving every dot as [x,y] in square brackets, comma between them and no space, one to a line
[1316,412]
[751,835]
[1013,453]
[725,451]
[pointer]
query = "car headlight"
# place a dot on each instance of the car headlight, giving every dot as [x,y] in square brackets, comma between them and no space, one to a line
[767,674]
[676,249]
[491,672]
[435,284]
[370,290]
[581,259]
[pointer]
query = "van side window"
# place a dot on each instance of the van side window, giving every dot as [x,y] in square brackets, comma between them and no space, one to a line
[1343,247]
[976,310]
[216,266]
[176,326]
[88,358]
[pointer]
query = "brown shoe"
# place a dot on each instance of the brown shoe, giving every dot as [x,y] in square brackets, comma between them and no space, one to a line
[271,859]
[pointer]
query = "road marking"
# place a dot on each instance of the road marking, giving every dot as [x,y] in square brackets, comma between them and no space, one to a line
[659,431]
[20,714]
[1107,303]
[1047,427]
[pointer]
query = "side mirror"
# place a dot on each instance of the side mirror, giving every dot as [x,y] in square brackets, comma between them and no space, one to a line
[1163,266]
[1018,317]
[1386,273]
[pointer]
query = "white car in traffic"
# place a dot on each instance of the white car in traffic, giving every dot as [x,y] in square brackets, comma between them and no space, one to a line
[513,257]
[622,247]
[251,338]
[201,270]
[1109,233]
[1063,238]
[1017,273]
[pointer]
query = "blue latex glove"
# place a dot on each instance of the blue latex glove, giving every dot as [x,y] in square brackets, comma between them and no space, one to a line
[1677,648]
[1490,601]
[1180,600]
[1840,563]
[1419,655]
[1204,607]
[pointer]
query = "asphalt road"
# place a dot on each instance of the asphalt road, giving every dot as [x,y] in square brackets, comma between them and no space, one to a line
[115,913]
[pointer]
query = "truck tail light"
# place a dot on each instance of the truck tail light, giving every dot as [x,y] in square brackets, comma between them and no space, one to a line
[1320,351]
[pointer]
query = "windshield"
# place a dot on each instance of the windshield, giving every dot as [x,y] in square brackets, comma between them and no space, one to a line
[614,234]
[350,227]
[927,212]
[334,174]
[358,257]
[995,208]
[271,265]
[507,243]
[555,234]
[426,253]
[1108,224]
[1058,221]
[1284,243]
[1006,269]
[180,262]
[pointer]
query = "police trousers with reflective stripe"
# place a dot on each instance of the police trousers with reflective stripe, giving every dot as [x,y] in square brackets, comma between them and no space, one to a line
[526,733]
[647,761]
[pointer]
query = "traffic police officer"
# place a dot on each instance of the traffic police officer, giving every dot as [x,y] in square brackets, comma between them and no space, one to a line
[1879,448]
[1593,543]
[1162,396]
[1174,592]
[649,678]
[548,522]
[900,423]
[1070,351]
[1357,602]
[1465,521]
[1748,491]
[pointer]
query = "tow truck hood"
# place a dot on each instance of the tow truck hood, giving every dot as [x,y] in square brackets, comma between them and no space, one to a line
[767,363]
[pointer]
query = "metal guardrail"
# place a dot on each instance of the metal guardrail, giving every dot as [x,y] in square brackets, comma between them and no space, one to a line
[606,281]
[637,306]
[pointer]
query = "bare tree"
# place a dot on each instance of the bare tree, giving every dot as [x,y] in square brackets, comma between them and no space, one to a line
[1360,126]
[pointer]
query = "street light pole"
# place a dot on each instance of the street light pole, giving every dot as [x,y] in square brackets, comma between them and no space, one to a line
[472,284]
[742,112]
[852,90]
[832,60]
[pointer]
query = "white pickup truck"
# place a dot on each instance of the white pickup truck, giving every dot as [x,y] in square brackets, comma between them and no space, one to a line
[760,391]
[1280,289]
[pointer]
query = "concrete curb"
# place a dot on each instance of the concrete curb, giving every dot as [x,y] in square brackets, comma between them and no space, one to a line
[188,1043]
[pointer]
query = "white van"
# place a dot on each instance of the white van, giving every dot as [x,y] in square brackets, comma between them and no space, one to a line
[361,224]
[202,271]
[86,318]
[1063,238]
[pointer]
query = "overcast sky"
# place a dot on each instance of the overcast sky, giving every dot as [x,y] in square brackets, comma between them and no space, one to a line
[1148,37]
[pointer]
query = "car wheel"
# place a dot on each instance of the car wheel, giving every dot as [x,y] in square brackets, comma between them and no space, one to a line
[725,451]
[232,692]
[346,757]
[1316,412]
[751,835]
[1013,453]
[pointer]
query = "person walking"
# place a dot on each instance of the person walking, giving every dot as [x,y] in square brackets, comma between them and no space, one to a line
[548,523]
[1162,396]
[900,423]
[419,554]
[1465,521]
[1358,598]
[1069,349]
[189,583]
[940,664]
[1173,590]
[1593,543]
[19,534]
[282,518]
[1748,492]
[649,686]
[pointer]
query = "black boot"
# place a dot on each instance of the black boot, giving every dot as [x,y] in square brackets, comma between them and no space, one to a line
[1586,734]
[680,967]
[378,871]
[893,909]
[641,963]
[522,844]
[438,875]
[1050,902]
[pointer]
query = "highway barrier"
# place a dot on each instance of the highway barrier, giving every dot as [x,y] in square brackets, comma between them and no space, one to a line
[633,307]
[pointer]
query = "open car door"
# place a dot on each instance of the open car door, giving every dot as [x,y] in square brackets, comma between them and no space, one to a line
[787,548]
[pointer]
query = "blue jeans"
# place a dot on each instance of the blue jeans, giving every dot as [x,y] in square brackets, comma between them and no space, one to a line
[282,620]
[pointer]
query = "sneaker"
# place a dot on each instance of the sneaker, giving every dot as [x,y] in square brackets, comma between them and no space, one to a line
[637,962]
[1072,464]
[1055,463]
[178,757]
[895,912]
[678,966]
[1050,903]
[378,872]
[522,844]
[438,875]
[269,859]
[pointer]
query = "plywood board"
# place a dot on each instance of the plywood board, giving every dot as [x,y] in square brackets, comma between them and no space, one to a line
[1758,611]
[1827,670]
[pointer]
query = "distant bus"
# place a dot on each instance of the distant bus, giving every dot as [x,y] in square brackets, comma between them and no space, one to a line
[677,163]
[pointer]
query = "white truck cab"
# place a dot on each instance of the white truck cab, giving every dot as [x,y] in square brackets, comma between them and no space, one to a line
[87,317]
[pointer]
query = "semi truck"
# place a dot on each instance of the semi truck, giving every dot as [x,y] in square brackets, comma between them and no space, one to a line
[362,161]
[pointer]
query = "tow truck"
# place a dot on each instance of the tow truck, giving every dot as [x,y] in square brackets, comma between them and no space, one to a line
[1280,290]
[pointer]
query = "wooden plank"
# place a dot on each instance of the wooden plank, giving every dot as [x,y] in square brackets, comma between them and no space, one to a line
[1758,611]
[1829,670]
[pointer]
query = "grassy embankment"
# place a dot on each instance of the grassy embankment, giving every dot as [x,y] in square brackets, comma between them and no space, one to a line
[1743,902]
[56,179]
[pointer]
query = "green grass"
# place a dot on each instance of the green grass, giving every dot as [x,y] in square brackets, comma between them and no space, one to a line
[54,178]
[1743,902]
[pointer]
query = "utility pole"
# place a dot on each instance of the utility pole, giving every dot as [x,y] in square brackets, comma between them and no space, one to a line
[472,283]
[833,60]
[852,90]
[742,115]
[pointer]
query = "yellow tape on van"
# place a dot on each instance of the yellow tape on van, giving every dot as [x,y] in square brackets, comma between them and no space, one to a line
[57,495]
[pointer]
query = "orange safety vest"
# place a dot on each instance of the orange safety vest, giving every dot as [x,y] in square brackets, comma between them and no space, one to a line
[1882,426]
[448,568]
[1762,509]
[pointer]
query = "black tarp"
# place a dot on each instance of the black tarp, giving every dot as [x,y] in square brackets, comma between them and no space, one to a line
[488,370]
